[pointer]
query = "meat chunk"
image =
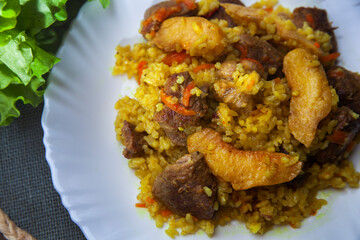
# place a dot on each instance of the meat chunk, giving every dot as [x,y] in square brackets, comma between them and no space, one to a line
[243,169]
[220,13]
[226,71]
[226,92]
[347,86]
[349,127]
[175,89]
[249,66]
[176,86]
[157,13]
[261,51]
[187,186]
[171,121]
[311,95]
[229,67]
[186,32]
[133,141]
[318,21]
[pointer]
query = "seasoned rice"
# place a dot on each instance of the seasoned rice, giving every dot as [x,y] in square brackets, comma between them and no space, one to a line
[266,128]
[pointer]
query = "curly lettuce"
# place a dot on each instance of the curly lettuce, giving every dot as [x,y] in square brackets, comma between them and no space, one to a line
[22,62]
[104,3]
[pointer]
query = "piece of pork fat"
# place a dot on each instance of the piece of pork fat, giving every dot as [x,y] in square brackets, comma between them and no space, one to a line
[187,186]
[174,123]
[133,141]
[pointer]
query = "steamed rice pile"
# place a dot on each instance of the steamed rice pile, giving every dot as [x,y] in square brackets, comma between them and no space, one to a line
[266,128]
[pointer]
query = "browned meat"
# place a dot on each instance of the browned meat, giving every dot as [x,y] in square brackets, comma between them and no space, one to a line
[169,120]
[261,51]
[226,70]
[250,66]
[225,92]
[344,117]
[318,21]
[229,67]
[152,26]
[347,124]
[198,104]
[169,9]
[179,88]
[133,141]
[181,187]
[347,85]
[221,14]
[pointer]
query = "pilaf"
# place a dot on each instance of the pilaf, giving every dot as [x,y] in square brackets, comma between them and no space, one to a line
[218,68]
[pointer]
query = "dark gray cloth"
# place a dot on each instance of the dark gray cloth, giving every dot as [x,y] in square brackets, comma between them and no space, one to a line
[26,191]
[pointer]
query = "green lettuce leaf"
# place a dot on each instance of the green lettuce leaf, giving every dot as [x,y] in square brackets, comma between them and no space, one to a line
[22,65]
[36,15]
[104,3]
[9,10]
[14,92]
[22,62]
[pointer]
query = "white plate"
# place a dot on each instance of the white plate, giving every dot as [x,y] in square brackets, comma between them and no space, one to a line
[88,169]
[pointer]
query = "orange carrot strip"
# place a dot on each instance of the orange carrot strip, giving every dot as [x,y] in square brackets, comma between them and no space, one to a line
[140,205]
[338,137]
[142,65]
[293,225]
[165,213]
[277,80]
[175,57]
[250,85]
[317,44]
[187,93]
[336,73]
[209,14]
[242,49]
[175,106]
[310,20]
[329,57]
[150,200]
[161,14]
[313,212]
[255,61]
[152,33]
[203,67]
[351,146]
[269,9]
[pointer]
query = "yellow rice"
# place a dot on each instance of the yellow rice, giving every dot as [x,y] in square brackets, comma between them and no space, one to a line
[265,129]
